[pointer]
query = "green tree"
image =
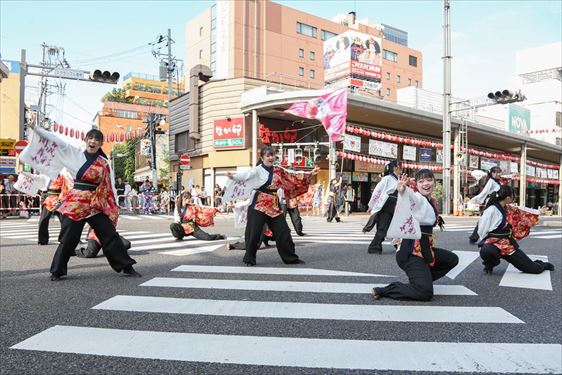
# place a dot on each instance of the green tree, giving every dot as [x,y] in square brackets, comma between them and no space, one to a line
[438,195]
[116,95]
[129,172]
[119,162]
[164,170]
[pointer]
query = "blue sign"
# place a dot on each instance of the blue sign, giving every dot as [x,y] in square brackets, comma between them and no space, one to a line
[13,66]
[426,154]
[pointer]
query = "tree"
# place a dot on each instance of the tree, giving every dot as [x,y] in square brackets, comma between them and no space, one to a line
[164,170]
[119,162]
[116,95]
[129,172]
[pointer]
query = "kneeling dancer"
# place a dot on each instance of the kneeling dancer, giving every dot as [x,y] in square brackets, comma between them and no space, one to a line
[499,228]
[92,198]
[422,262]
[191,218]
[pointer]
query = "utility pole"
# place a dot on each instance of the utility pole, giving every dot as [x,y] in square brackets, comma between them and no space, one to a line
[152,121]
[171,64]
[446,107]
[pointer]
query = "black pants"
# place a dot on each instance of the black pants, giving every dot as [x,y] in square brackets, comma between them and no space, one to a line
[43,234]
[179,233]
[491,256]
[281,233]
[332,210]
[93,248]
[111,243]
[419,273]
[241,245]
[474,236]
[384,217]
[296,219]
[370,223]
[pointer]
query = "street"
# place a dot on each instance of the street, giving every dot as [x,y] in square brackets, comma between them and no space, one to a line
[197,309]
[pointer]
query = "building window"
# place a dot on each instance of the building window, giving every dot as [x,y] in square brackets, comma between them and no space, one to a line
[389,55]
[181,141]
[312,55]
[413,60]
[200,54]
[301,71]
[387,76]
[409,82]
[387,92]
[304,29]
[395,35]
[325,34]
[301,52]
[398,78]
[201,31]
[417,83]
[312,73]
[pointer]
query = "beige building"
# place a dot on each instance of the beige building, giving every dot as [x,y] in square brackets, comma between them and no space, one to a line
[10,101]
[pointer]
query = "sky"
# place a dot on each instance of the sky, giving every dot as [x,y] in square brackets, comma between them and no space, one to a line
[115,36]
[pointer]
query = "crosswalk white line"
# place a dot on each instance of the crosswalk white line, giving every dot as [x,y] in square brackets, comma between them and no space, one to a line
[296,310]
[192,251]
[300,352]
[153,217]
[517,279]
[128,217]
[148,235]
[545,232]
[320,240]
[290,286]
[271,271]
[548,237]
[465,259]
[184,243]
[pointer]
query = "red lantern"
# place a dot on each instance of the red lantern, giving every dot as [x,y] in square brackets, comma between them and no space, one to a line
[61,129]
[55,127]
[72,132]
[82,135]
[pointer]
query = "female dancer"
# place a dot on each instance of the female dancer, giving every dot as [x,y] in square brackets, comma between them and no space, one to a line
[332,200]
[492,185]
[91,200]
[422,262]
[192,218]
[382,205]
[55,194]
[264,180]
[499,228]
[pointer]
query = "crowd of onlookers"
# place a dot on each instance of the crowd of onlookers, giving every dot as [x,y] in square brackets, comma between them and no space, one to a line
[13,203]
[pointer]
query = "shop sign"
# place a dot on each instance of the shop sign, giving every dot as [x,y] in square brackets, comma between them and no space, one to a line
[530,171]
[555,174]
[426,154]
[541,173]
[352,143]
[7,143]
[439,156]
[409,153]
[346,177]
[360,177]
[518,119]
[514,167]
[361,166]
[229,133]
[385,149]
[504,166]
[473,161]
[487,164]
[268,136]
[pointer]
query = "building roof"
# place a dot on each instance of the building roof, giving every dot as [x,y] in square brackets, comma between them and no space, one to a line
[4,70]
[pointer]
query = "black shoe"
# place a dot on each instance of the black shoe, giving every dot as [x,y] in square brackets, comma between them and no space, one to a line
[130,271]
[548,266]
[302,234]
[338,219]
[249,264]
[488,270]
[298,261]
[266,243]
[55,277]
[374,251]
[42,243]
[375,294]
[472,241]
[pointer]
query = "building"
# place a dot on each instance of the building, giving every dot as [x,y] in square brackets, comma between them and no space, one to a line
[275,43]
[10,100]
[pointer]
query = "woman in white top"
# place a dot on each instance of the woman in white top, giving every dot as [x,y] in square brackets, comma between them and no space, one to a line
[492,185]
[497,238]
[422,262]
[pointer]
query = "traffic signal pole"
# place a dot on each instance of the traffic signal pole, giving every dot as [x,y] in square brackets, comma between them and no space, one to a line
[446,209]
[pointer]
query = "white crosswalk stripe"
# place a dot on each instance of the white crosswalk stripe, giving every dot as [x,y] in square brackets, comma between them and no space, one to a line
[324,353]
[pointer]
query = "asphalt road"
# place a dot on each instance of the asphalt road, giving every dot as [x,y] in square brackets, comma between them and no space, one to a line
[210,320]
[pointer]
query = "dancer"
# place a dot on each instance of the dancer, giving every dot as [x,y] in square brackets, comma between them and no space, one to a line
[91,200]
[422,262]
[382,205]
[492,185]
[335,185]
[260,184]
[291,207]
[55,194]
[191,218]
[93,245]
[266,236]
[499,228]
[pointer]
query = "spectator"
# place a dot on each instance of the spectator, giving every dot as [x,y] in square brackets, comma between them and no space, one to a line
[120,188]
[127,193]
[146,185]
[195,195]
[10,202]
[349,199]
[3,205]
[218,195]
[165,201]
[134,199]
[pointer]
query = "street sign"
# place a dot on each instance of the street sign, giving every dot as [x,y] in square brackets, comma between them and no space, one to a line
[7,152]
[185,161]
[19,146]
[7,144]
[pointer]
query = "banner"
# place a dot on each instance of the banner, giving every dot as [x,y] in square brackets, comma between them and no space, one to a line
[530,171]
[352,143]
[487,164]
[385,149]
[513,167]
[473,161]
[409,153]
[426,154]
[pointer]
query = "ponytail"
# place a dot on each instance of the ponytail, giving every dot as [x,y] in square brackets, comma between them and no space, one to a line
[497,196]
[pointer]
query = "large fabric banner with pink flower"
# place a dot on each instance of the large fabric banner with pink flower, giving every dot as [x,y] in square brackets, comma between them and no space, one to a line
[330,109]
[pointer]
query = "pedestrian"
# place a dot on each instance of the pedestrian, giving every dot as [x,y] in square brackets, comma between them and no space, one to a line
[10,200]
[218,194]
[492,185]
[120,188]
[260,184]
[191,218]
[382,205]
[334,191]
[56,193]
[127,193]
[165,200]
[349,199]
[422,262]
[317,199]
[3,204]
[499,228]
[91,200]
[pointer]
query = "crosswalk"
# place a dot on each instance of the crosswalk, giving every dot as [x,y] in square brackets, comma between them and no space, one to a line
[267,348]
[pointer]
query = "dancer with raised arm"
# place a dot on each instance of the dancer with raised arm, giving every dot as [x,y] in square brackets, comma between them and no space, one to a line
[260,184]
[492,185]
[92,200]
[499,228]
[191,217]
[422,262]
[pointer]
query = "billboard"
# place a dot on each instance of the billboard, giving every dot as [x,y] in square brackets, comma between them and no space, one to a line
[228,133]
[355,56]
[518,119]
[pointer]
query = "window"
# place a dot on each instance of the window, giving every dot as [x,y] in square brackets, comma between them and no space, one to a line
[201,31]
[200,54]
[413,60]
[304,29]
[398,78]
[325,35]
[417,83]
[301,52]
[312,55]
[301,71]
[387,92]
[181,141]
[389,55]
[387,76]
[409,82]
[312,73]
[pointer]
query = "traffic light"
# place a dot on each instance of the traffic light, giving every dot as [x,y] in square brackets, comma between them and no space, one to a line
[298,155]
[317,155]
[104,77]
[507,96]
[279,156]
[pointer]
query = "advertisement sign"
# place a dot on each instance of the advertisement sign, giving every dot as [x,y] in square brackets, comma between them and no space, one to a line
[473,161]
[360,177]
[439,156]
[7,143]
[513,167]
[361,166]
[352,143]
[145,147]
[379,148]
[541,173]
[504,166]
[530,171]
[487,164]
[346,177]
[518,119]
[426,154]
[353,55]
[409,153]
[228,133]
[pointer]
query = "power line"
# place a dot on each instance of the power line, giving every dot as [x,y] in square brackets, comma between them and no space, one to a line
[79,61]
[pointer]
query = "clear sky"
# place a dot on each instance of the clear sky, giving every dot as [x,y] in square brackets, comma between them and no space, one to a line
[485,38]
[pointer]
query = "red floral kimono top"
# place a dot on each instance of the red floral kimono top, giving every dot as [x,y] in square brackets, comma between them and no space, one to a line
[194,214]
[56,193]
